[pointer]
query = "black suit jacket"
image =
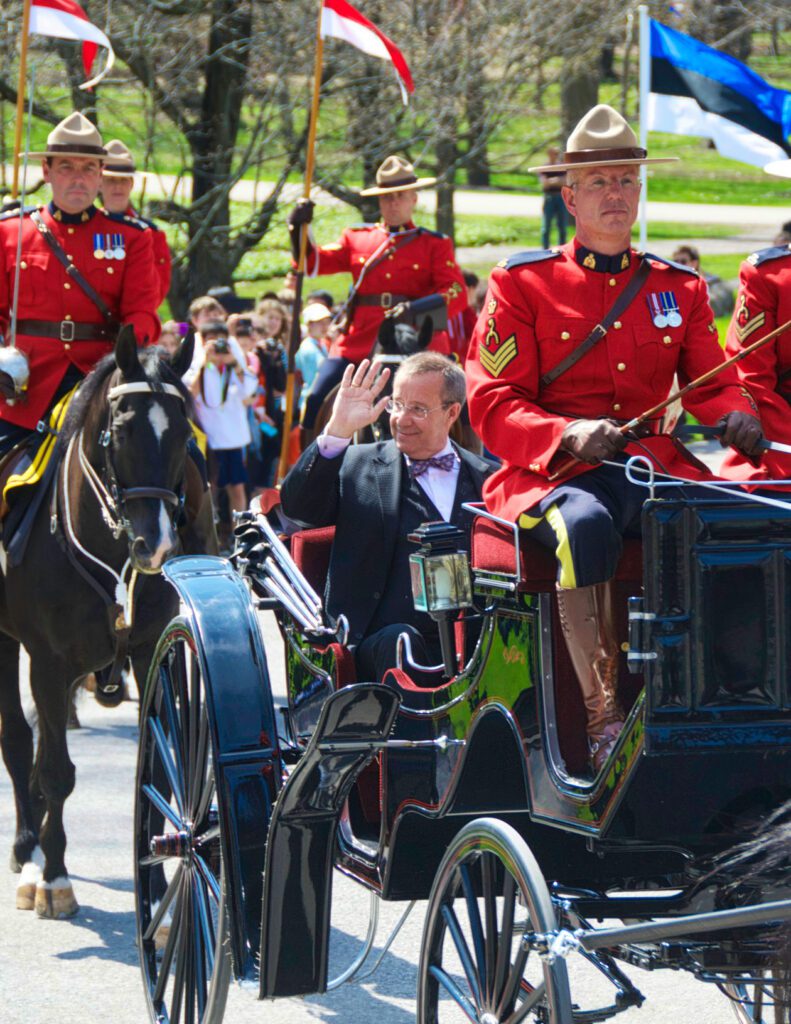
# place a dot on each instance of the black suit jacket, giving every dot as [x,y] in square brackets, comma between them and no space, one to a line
[359,493]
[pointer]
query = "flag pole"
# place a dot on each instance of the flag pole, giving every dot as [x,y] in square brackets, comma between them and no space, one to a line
[296,336]
[20,96]
[645,89]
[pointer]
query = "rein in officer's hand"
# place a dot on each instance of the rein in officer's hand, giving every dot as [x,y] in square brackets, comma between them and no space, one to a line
[357,404]
[592,441]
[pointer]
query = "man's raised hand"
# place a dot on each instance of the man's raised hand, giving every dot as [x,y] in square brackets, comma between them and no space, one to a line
[357,403]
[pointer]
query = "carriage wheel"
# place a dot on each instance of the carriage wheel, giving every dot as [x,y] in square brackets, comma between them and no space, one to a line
[182,925]
[476,963]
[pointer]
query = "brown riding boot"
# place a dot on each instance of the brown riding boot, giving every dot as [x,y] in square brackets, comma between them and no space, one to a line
[586,617]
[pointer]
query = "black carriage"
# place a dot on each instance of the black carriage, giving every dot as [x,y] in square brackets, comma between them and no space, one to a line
[472,792]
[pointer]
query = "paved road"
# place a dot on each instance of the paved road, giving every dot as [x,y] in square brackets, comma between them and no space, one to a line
[70,972]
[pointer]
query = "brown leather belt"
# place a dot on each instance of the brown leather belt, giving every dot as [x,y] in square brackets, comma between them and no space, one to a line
[65,330]
[384,301]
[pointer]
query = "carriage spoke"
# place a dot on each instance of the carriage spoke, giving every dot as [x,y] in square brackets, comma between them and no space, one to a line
[533,999]
[508,998]
[163,806]
[206,796]
[168,705]
[170,947]
[454,991]
[164,903]
[202,944]
[506,927]
[200,769]
[208,877]
[490,914]
[152,859]
[175,775]
[462,949]
[476,928]
[194,707]
[188,947]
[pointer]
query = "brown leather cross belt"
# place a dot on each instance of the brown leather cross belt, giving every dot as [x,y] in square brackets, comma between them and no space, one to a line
[384,301]
[65,330]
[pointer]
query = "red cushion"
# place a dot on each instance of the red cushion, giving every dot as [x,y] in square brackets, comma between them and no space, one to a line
[311,549]
[493,550]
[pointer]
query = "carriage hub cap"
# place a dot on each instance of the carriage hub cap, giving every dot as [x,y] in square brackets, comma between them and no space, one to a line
[172,844]
[489,1018]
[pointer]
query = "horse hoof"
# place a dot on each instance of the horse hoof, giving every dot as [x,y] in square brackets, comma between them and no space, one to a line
[26,896]
[56,900]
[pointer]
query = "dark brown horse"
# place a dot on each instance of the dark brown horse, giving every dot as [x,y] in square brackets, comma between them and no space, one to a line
[88,589]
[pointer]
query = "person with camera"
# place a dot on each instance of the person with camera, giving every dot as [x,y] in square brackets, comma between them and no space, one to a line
[222,389]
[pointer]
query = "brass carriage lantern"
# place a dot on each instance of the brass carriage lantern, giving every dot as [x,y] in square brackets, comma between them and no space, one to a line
[441,584]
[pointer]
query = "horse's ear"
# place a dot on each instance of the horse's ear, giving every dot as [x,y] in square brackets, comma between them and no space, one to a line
[387,337]
[126,356]
[182,360]
[424,337]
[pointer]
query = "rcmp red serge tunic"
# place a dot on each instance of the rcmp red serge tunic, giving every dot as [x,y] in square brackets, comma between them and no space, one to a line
[418,262]
[539,308]
[764,303]
[127,284]
[163,261]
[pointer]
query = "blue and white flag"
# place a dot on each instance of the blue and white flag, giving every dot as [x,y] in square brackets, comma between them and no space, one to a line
[696,90]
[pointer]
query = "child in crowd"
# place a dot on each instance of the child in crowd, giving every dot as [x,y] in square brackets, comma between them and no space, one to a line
[314,348]
[222,388]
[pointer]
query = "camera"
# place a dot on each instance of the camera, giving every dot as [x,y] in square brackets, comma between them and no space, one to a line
[221,347]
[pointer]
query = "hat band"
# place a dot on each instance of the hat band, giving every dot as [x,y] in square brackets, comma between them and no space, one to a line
[120,168]
[595,156]
[398,183]
[76,147]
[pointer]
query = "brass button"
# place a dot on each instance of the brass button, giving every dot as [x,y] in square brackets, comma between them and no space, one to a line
[416,266]
[388,276]
[565,336]
[110,270]
[617,325]
[67,346]
[616,407]
[667,340]
[535,467]
[23,265]
[66,285]
[389,255]
[70,230]
[621,367]
[67,316]
[361,259]
[612,282]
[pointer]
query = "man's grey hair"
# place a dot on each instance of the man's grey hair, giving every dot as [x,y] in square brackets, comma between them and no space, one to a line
[454,384]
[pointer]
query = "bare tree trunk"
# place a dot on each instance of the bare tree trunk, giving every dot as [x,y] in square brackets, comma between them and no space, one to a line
[579,91]
[447,153]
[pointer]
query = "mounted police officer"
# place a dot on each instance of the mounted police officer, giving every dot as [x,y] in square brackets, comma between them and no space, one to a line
[396,267]
[546,384]
[118,180]
[80,275]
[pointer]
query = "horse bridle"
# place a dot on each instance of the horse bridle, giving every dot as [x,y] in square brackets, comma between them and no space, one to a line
[111,496]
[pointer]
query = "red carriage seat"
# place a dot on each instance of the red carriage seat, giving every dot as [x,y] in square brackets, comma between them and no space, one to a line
[493,550]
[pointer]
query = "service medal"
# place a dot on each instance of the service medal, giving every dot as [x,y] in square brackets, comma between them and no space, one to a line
[98,254]
[674,318]
[670,309]
[98,247]
[655,307]
[119,252]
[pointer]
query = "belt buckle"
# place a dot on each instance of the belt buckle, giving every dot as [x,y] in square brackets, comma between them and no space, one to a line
[387,300]
[67,330]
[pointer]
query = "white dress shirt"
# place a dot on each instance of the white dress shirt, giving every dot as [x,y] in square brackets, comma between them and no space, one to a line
[439,484]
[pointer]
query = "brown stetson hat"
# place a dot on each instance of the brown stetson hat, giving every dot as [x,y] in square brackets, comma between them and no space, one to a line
[74,136]
[119,162]
[396,175]
[602,139]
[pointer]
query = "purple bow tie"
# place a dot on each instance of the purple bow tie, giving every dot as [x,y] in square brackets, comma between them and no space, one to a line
[417,467]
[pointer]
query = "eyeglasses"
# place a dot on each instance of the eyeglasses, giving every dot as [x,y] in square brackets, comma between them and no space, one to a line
[418,412]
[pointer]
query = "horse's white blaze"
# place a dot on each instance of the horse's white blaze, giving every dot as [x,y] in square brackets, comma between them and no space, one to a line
[158,419]
[167,537]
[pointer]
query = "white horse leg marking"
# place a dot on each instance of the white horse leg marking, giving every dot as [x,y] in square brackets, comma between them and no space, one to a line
[30,877]
[158,419]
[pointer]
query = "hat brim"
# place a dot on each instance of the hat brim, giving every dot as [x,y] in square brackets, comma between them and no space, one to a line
[584,164]
[414,186]
[76,152]
[779,168]
[119,174]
